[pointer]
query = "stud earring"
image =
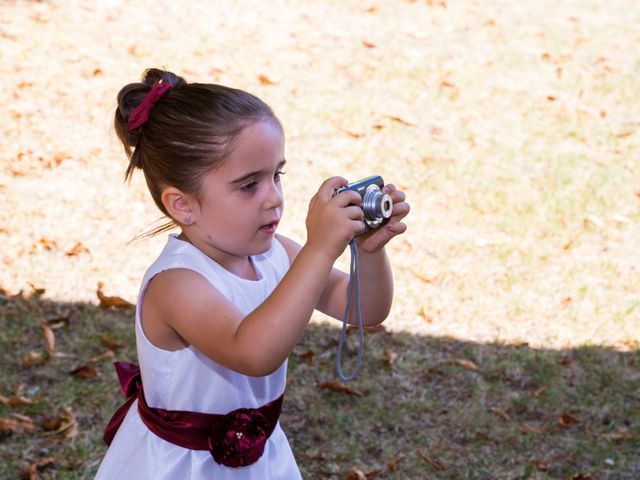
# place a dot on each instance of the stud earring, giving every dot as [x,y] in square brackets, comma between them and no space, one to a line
[188,221]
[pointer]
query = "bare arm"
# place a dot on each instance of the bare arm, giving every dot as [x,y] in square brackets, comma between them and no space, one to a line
[184,302]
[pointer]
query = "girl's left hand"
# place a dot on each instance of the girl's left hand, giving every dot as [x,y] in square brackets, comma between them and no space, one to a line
[376,239]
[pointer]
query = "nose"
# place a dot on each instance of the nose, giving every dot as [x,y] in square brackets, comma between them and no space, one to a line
[274,198]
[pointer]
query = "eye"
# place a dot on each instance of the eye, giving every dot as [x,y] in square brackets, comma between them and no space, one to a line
[249,187]
[277,176]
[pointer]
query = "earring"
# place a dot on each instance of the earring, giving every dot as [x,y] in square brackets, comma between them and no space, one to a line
[188,221]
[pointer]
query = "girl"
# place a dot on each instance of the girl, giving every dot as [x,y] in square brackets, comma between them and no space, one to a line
[224,304]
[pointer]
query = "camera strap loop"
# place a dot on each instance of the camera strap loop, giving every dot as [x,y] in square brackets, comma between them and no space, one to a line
[353,286]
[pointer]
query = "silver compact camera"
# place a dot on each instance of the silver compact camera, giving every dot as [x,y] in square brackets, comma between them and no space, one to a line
[376,204]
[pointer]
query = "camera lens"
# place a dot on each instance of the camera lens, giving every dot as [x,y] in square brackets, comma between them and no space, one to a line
[376,206]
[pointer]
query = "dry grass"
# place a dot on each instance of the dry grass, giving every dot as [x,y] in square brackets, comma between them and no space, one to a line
[512,126]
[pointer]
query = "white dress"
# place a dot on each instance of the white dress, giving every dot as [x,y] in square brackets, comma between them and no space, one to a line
[187,380]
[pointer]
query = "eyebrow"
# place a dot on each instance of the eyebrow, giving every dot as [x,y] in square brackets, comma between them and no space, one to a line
[255,174]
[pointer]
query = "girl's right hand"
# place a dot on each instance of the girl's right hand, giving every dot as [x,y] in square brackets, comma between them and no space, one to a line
[333,220]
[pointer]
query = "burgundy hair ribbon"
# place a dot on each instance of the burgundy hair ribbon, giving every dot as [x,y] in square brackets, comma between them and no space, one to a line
[140,114]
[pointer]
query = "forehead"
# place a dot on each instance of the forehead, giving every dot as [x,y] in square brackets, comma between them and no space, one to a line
[260,145]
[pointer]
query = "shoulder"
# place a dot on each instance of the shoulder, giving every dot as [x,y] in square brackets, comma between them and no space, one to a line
[290,246]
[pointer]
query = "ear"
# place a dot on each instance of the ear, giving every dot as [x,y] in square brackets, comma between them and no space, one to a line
[181,207]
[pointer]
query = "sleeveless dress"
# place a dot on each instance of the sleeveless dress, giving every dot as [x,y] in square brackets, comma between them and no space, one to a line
[187,380]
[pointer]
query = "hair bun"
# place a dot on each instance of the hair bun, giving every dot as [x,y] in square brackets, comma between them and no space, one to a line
[155,75]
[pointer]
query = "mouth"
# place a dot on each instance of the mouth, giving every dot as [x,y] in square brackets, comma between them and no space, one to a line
[269,228]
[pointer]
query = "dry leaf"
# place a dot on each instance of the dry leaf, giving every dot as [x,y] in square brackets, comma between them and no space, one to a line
[41,464]
[18,400]
[431,461]
[112,302]
[540,391]
[49,338]
[86,372]
[529,428]
[390,357]
[392,465]
[59,321]
[581,476]
[566,420]
[77,249]
[16,423]
[368,44]
[307,357]
[501,413]
[103,356]
[540,464]
[32,358]
[401,120]
[64,425]
[338,386]
[110,344]
[619,435]
[624,133]
[468,364]
[264,80]
[356,474]
[47,244]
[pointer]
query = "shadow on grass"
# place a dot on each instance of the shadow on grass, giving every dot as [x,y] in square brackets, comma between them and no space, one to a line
[428,407]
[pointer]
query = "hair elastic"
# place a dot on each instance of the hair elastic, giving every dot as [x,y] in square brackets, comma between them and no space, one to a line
[140,114]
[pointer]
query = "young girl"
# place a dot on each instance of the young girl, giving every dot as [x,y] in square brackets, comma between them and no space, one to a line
[224,304]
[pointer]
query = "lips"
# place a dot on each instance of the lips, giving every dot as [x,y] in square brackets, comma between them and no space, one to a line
[269,228]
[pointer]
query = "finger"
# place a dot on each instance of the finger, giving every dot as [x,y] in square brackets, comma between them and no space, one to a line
[348,197]
[354,213]
[389,188]
[358,226]
[397,228]
[398,196]
[400,210]
[329,186]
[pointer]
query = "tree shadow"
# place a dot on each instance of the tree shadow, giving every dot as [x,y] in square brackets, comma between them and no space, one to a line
[422,407]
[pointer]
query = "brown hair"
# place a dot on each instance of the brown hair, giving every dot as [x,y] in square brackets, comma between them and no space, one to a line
[189,132]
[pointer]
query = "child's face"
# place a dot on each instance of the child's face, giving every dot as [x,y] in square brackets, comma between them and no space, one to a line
[241,202]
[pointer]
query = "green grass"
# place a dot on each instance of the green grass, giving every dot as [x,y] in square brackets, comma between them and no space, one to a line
[426,403]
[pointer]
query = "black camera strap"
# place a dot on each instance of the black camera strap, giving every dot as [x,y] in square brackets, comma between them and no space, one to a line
[353,290]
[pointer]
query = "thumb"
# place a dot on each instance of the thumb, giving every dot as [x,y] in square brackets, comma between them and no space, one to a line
[328,187]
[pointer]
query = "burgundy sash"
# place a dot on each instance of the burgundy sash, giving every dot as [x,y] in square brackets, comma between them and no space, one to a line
[236,439]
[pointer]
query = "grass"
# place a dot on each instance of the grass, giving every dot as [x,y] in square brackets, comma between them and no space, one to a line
[473,410]
[513,129]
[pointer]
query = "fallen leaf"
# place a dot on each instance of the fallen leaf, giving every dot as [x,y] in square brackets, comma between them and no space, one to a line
[49,338]
[103,356]
[529,428]
[307,357]
[624,133]
[501,413]
[86,372]
[18,400]
[16,423]
[567,420]
[59,321]
[32,358]
[338,386]
[111,344]
[368,44]
[390,356]
[65,425]
[551,98]
[539,391]
[401,120]
[581,476]
[47,244]
[264,80]
[77,249]
[438,466]
[542,465]
[468,364]
[619,435]
[356,474]
[112,302]
[41,464]
[392,465]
